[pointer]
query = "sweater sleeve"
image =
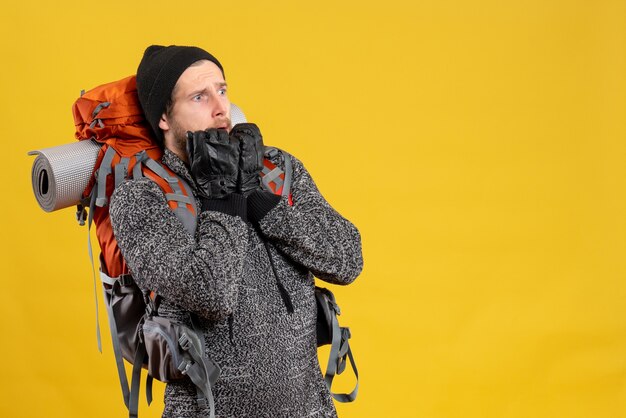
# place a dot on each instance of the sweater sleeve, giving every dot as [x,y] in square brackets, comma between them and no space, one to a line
[312,233]
[198,274]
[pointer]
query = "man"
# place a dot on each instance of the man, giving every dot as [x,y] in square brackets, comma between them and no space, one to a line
[247,272]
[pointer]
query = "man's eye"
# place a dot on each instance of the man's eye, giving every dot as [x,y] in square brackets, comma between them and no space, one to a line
[197,98]
[222,92]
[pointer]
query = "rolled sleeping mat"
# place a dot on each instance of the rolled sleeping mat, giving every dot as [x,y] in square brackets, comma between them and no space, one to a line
[61,174]
[236,115]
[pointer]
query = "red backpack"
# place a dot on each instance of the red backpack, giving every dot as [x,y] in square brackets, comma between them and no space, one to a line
[111,115]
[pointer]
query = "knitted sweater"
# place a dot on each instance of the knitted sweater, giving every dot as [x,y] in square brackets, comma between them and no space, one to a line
[223,274]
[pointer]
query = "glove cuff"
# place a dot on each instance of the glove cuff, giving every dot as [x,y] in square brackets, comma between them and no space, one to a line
[233,204]
[260,203]
[249,183]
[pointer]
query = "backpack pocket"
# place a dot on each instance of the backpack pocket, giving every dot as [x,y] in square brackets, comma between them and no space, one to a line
[171,348]
[326,306]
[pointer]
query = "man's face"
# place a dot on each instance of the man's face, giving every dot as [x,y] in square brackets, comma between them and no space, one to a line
[199,102]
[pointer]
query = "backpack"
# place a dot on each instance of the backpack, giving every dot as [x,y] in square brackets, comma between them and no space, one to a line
[111,115]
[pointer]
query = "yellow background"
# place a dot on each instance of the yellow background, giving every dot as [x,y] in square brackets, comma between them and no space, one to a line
[479,146]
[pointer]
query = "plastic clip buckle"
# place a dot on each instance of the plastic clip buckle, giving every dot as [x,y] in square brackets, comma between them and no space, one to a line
[272,153]
[184,341]
[126,279]
[184,366]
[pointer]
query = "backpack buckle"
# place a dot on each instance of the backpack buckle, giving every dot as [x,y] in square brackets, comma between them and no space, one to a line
[126,280]
[184,341]
[184,366]
[271,153]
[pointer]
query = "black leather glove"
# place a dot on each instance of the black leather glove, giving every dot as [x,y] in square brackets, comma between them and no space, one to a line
[214,162]
[251,151]
[259,201]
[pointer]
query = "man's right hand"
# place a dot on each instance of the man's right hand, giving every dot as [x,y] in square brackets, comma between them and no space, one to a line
[214,161]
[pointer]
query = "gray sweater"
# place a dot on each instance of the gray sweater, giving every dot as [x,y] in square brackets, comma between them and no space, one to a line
[223,274]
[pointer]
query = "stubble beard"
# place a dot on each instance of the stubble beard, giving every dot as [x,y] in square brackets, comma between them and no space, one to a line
[180,138]
[180,134]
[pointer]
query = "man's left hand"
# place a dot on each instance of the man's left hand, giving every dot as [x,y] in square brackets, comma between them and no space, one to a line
[250,156]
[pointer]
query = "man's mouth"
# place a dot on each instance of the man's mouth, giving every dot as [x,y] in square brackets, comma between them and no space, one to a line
[224,124]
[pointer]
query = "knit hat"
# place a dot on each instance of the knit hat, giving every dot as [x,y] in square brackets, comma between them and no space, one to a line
[158,72]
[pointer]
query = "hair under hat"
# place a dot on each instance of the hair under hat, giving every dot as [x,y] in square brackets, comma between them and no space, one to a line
[159,70]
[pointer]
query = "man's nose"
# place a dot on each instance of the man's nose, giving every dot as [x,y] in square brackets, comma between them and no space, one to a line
[219,108]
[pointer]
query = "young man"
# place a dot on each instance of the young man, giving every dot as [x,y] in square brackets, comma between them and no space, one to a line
[247,273]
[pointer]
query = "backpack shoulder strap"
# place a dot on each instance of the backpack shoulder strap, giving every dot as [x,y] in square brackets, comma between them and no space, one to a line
[273,178]
[178,193]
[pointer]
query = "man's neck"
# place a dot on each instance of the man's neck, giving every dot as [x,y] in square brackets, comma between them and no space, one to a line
[180,154]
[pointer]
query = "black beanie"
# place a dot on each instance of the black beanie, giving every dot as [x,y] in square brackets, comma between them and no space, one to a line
[159,70]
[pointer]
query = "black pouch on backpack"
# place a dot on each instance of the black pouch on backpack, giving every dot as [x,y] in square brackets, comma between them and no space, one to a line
[325,302]
[126,307]
[173,350]
[168,349]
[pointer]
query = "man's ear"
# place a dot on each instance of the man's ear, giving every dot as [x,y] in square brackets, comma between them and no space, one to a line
[163,123]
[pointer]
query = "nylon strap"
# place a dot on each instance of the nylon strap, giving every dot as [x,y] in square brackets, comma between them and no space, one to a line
[149,380]
[96,122]
[161,172]
[272,176]
[288,174]
[92,202]
[349,397]
[336,361]
[121,171]
[212,374]
[140,158]
[99,108]
[133,407]
[199,375]
[106,279]
[267,175]
[178,195]
[119,361]
[103,172]
[187,190]
[178,198]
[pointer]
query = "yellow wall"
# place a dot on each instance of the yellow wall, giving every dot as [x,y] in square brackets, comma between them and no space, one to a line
[479,146]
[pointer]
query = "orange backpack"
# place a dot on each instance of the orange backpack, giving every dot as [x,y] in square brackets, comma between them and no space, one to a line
[112,116]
